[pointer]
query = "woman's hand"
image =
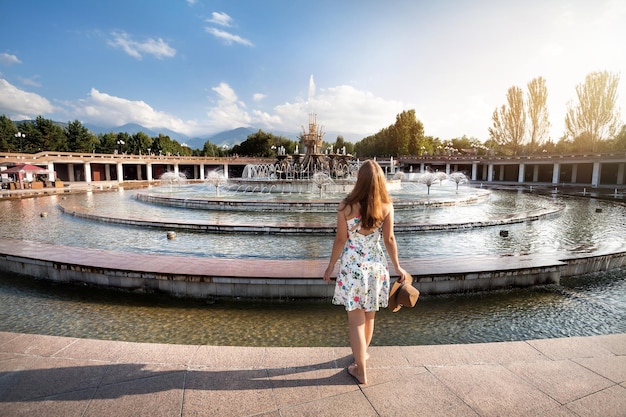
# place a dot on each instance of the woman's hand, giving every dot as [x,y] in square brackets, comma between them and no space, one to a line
[402,274]
[327,273]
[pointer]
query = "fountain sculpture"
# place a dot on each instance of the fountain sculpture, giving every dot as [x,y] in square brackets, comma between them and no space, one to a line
[302,172]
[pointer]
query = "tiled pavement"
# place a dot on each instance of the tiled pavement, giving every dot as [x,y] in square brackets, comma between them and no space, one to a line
[57,376]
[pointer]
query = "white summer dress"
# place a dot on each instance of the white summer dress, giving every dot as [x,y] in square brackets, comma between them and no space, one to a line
[363,277]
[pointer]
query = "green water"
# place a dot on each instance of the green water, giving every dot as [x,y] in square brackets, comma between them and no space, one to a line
[583,306]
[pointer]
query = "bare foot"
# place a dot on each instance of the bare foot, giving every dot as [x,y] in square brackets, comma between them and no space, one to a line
[353,370]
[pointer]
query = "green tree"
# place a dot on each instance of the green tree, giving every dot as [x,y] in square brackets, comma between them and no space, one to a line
[161,145]
[181,149]
[210,149]
[407,132]
[340,142]
[509,122]
[107,143]
[537,113]
[122,139]
[619,143]
[7,134]
[256,144]
[288,144]
[79,138]
[138,143]
[46,136]
[260,144]
[405,136]
[595,117]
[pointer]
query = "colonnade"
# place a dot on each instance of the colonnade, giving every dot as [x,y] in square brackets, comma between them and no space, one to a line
[533,171]
[83,171]
[588,170]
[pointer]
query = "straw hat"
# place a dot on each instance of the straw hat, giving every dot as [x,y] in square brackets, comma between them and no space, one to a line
[403,294]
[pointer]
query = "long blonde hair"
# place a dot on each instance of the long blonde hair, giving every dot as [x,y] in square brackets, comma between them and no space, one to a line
[370,192]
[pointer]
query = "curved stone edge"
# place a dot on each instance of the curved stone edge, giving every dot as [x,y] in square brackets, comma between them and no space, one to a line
[271,279]
[316,205]
[295,227]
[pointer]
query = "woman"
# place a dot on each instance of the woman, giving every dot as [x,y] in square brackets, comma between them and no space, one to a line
[363,279]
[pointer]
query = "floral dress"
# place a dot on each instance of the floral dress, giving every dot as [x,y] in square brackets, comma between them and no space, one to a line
[363,278]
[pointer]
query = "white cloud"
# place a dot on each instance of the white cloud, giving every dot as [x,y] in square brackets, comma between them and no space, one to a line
[8,59]
[16,103]
[339,109]
[156,47]
[258,96]
[343,109]
[228,37]
[106,110]
[221,19]
[230,112]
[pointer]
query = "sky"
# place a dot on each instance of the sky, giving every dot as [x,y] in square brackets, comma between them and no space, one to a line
[200,67]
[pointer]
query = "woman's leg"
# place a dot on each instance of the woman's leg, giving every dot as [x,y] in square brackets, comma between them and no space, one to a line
[369,328]
[358,343]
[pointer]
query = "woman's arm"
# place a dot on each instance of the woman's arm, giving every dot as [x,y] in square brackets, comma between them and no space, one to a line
[340,240]
[390,244]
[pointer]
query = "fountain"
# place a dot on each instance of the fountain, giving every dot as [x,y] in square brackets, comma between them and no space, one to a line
[172,178]
[216,178]
[449,236]
[302,172]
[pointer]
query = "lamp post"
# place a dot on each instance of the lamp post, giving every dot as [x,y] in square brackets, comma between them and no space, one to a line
[21,136]
[120,143]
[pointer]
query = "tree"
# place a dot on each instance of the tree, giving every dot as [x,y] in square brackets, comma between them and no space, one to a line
[509,122]
[46,136]
[619,144]
[211,149]
[107,143]
[537,113]
[138,143]
[341,142]
[408,131]
[7,134]
[121,141]
[79,138]
[595,117]
[162,144]
[260,144]
[402,138]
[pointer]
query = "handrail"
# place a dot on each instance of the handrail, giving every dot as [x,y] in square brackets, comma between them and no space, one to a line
[46,156]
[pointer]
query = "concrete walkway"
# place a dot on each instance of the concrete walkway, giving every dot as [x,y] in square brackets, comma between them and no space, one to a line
[57,376]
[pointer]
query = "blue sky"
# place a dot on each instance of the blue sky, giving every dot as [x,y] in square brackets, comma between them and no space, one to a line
[202,66]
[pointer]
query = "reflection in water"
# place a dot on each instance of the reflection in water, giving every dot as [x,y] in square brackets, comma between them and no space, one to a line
[578,226]
[582,306]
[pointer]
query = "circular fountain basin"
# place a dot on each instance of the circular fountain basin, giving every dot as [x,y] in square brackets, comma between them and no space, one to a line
[448,248]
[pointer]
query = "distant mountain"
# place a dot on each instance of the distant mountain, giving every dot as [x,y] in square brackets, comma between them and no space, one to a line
[227,138]
[132,128]
[232,137]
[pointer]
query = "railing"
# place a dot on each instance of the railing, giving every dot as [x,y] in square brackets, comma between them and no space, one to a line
[516,158]
[50,156]
[46,156]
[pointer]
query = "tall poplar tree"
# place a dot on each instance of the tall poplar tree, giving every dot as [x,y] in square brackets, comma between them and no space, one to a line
[595,117]
[509,122]
[537,111]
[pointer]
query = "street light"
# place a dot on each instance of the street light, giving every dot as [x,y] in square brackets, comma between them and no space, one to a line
[120,143]
[21,136]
